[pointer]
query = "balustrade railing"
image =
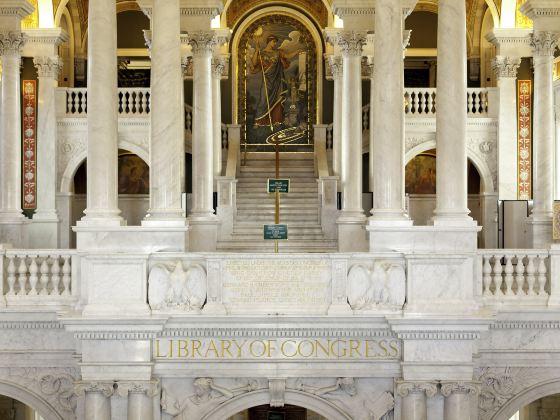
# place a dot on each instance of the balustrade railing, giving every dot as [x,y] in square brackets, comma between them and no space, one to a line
[515,276]
[39,277]
[133,102]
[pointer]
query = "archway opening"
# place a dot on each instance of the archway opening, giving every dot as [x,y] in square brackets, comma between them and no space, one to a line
[266,412]
[543,408]
[12,409]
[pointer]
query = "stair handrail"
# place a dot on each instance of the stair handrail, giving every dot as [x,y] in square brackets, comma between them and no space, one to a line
[327,184]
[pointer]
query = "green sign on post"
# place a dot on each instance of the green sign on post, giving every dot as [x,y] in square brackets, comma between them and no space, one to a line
[276,232]
[278,185]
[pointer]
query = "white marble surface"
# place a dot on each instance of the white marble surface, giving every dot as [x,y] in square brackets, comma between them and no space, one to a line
[102,150]
[451,117]
[167,153]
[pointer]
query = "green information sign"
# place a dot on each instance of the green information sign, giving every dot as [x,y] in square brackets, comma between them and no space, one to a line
[280,185]
[276,232]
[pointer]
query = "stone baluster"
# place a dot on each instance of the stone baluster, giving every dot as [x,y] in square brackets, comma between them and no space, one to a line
[140,398]
[97,399]
[387,141]
[335,63]
[413,394]
[167,153]
[457,405]
[102,117]
[544,44]
[219,67]
[451,117]
[351,220]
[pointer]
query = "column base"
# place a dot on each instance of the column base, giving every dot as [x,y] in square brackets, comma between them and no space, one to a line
[14,232]
[170,217]
[109,218]
[203,235]
[540,232]
[352,236]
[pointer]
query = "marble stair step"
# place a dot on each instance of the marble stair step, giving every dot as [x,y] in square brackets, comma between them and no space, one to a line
[319,246]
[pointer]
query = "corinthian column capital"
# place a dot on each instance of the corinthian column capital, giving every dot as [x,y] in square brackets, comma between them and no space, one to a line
[204,42]
[506,67]
[219,66]
[406,388]
[544,43]
[48,66]
[11,43]
[351,43]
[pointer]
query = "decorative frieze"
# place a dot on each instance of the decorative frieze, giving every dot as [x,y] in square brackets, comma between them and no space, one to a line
[544,43]
[11,43]
[506,67]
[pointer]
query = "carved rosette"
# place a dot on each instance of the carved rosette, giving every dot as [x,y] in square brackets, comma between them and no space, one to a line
[350,42]
[544,43]
[334,64]
[404,389]
[48,66]
[151,389]
[105,388]
[219,66]
[11,43]
[506,67]
[448,388]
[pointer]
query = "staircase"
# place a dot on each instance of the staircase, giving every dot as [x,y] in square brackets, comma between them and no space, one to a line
[300,209]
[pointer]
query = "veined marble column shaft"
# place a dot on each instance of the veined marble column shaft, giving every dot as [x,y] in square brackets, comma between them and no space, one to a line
[351,44]
[203,43]
[544,45]
[167,150]
[48,69]
[506,73]
[335,63]
[102,118]
[451,120]
[387,145]
[457,405]
[10,127]
[413,394]
[218,68]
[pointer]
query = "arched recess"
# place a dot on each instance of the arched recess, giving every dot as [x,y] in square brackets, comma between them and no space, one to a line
[17,392]
[487,182]
[67,51]
[541,390]
[262,397]
[487,52]
[508,12]
[67,179]
[317,38]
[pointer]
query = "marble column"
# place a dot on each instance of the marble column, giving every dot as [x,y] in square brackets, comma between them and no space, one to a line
[506,73]
[544,45]
[335,63]
[451,121]
[11,44]
[414,394]
[351,220]
[102,118]
[219,66]
[140,399]
[97,399]
[387,141]
[457,405]
[48,69]
[167,150]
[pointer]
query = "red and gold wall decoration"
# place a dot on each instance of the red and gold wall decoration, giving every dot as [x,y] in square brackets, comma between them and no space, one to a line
[29,144]
[524,140]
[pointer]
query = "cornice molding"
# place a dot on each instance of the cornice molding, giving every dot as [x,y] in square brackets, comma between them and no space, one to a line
[277,332]
[115,335]
[438,335]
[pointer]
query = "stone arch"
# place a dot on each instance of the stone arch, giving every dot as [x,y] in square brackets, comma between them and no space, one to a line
[74,163]
[18,392]
[262,397]
[537,391]
[480,165]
